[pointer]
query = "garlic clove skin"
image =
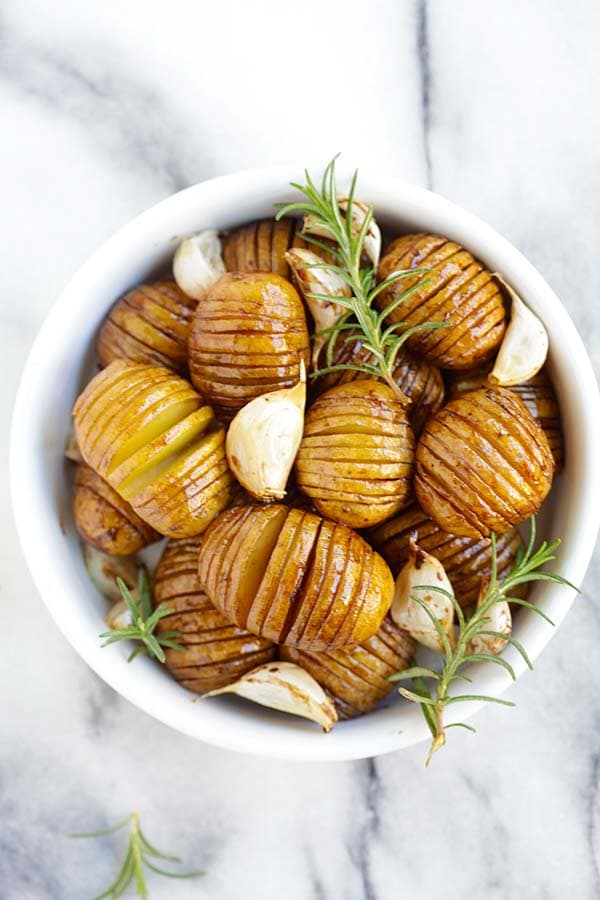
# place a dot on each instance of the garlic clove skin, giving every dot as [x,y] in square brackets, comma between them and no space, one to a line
[263,440]
[524,347]
[318,281]
[499,620]
[119,616]
[198,263]
[104,569]
[372,243]
[286,687]
[422,570]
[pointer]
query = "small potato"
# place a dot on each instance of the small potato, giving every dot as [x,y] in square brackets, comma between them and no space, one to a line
[483,464]
[261,246]
[421,382]
[294,578]
[357,676]
[538,396]
[467,560]
[150,324]
[249,336]
[217,652]
[356,458]
[148,433]
[104,519]
[459,291]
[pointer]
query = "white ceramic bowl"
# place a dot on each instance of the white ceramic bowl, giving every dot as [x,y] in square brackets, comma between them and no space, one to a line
[54,375]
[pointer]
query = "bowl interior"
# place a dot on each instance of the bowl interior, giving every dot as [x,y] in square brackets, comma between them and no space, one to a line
[57,368]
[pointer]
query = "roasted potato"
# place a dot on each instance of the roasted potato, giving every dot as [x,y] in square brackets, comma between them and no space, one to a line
[293,577]
[459,290]
[467,560]
[248,337]
[421,382]
[538,396]
[104,519]
[483,464]
[356,458]
[146,431]
[357,676]
[150,324]
[261,246]
[217,652]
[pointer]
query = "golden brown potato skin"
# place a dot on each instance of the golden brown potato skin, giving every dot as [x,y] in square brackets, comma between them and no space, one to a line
[148,433]
[356,676]
[261,246]
[217,652]
[538,396]
[293,577]
[421,382]
[483,464]
[356,458]
[249,336]
[104,519]
[467,560]
[149,324]
[459,291]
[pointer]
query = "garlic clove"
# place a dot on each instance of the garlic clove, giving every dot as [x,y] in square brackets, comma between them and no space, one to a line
[198,263]
[318,281]
[500,620]
[286,687]
[104,569]
[72,451]
[119,616]
[420,572]
[263,440]
[372,244]
[524,347]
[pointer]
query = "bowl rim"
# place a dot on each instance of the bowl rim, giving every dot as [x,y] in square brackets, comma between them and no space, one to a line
[28,498]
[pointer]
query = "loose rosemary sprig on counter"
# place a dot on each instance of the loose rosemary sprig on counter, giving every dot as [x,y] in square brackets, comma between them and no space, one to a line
[381,340]
[435,699]
[144,622]
[139,853]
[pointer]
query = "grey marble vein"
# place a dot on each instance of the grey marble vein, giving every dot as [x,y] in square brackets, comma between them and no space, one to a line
[425,85]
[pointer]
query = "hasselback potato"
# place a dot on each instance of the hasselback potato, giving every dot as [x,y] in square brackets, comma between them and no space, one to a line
[538,396]
[248,337]
[149,324]
[421,382]
[293,577]
[217,652]
[467,560]
[356,457]
[261,246]
[357,676]
[104,519]
[459,291]
[146,431]
[483,464]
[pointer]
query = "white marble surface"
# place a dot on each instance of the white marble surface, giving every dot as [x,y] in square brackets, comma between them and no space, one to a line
[107,108]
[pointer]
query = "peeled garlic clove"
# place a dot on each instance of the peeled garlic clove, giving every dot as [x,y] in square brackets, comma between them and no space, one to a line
[372,243]
[318,281]
[104,570]
[524,347]
[286,687]
[198,263]
[263,440]
[499,620]
[72,451]
[119,616]
[423,571]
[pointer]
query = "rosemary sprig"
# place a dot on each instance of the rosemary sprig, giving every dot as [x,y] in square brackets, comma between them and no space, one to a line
[137,857]
[382,341]
[144,622]
[435,698]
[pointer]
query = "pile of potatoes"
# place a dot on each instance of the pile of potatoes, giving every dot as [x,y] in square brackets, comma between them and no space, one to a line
[308,579]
